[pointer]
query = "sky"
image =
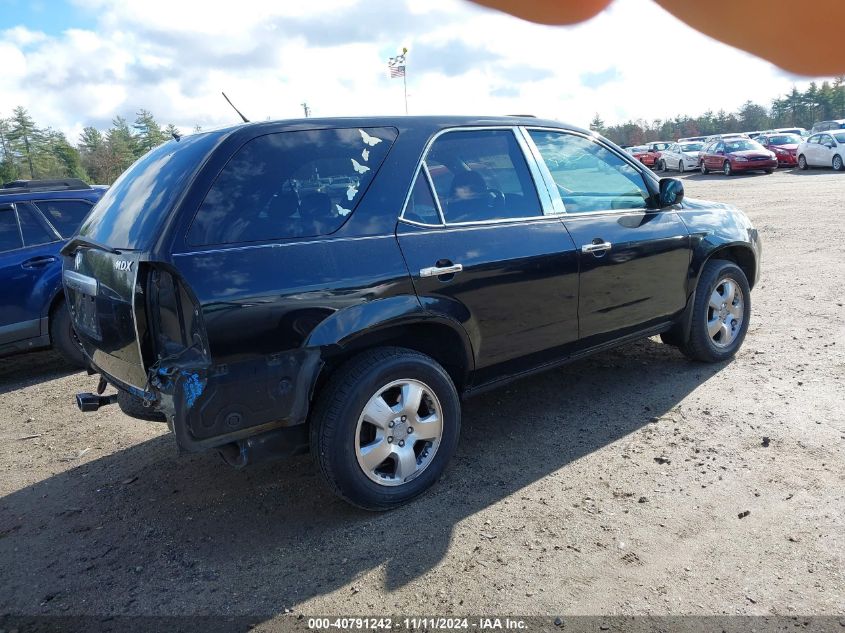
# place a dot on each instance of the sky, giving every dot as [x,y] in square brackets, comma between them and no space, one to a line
[74,63]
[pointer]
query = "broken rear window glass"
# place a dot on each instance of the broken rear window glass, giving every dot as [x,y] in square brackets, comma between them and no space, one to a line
[290,184]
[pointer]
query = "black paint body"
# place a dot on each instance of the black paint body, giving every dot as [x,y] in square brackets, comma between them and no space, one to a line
[263,323]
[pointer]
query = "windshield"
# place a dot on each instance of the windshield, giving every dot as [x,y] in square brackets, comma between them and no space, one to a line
[659,147]
[691,147]
[742,145]
[840,137]
[132,209]
[784,139]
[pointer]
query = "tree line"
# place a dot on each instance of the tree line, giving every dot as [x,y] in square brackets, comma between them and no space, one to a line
[29,151]
[795,109]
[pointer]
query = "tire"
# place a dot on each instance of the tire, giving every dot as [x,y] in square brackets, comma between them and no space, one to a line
[768,171]
[837,163]
[341,431]
[681,167]
[661,165]
[134,407]
[64,339]
[728,337]
[802,162]
[672,337]
[703,168]
[727,169]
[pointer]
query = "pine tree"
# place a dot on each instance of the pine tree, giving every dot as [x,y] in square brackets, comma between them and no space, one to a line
[597,124]
[150,134]
[23,136]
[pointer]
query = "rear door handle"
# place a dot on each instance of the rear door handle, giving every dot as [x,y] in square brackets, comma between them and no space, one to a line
[39,262]
[596,247]
[437,271]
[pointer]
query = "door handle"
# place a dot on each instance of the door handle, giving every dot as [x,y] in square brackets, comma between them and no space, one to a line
[596,247]
[38,262]
[437,271]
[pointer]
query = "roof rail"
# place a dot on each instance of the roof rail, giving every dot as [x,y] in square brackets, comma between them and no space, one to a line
[20,186]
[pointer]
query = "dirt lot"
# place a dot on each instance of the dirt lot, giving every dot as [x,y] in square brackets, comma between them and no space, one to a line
[555,503]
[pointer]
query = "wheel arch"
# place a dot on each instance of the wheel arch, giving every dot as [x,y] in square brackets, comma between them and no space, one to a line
[438,337]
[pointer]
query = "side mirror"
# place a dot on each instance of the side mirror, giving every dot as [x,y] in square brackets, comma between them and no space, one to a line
[671,192]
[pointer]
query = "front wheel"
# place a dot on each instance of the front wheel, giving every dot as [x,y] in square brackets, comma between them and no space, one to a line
[385,427]
[727,168]
[802,162]
[721,313]
[837,163]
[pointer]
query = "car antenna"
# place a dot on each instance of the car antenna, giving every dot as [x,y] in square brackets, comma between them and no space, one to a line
[234,108]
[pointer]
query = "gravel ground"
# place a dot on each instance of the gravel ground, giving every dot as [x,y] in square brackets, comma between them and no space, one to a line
[635,482]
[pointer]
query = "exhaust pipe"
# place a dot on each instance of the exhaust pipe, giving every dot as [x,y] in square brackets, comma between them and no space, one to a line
[88,402]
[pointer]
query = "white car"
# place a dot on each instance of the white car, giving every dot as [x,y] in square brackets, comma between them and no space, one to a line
[680,156]
[826,149]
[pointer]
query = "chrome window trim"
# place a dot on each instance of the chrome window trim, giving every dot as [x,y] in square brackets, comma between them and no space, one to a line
[470,128]
[596,139]
[433,191]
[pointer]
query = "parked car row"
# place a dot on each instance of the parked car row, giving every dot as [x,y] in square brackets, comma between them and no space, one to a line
[733,153]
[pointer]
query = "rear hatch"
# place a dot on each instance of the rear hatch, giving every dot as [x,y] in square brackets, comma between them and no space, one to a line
[108,264]
[100,287]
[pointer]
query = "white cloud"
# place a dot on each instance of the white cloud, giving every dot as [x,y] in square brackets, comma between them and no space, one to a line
[174,58]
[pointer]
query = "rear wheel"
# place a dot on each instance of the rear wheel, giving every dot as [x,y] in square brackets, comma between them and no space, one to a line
[681,167]
[63,337]
[802,162]
[837,163]
[385,427]
[727,168]
[721,313]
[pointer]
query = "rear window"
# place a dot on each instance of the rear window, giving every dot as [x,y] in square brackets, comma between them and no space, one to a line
[132,209]
[65,215]
[290,184]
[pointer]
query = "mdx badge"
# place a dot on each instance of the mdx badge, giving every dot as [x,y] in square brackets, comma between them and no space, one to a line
[123,264]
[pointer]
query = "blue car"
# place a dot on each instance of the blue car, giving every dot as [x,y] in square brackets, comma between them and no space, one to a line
[36,218]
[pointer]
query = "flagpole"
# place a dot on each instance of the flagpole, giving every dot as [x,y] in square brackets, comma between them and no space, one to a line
[405,86]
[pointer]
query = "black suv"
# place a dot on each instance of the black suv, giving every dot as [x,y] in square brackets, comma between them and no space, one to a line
[340,284]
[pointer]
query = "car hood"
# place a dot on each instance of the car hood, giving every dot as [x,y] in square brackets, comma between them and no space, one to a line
[788,146]
[694,154]
[752,153]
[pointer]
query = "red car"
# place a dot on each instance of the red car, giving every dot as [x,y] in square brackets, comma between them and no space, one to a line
[736,154]
[651,154]
[783,145]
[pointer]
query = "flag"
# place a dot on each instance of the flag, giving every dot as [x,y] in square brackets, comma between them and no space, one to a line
[396,66]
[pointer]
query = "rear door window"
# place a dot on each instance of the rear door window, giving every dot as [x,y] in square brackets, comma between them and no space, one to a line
[482,175]
[65,215]
[290,184]
[33,226]
[10,235]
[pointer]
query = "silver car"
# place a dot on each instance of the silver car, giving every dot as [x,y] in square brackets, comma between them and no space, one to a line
[680,156]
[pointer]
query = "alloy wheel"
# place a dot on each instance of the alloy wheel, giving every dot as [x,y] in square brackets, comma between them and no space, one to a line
[398,432]
[725,312]
[727,168]
[837,163]
[681,167]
